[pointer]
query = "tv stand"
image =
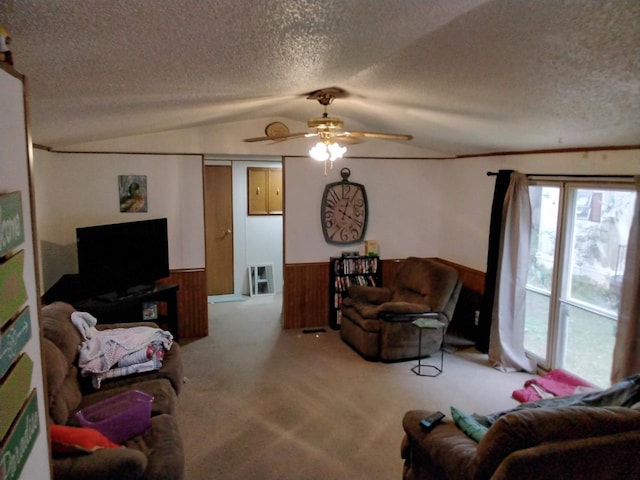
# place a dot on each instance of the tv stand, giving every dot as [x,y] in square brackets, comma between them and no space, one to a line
[112,308]
[128,293]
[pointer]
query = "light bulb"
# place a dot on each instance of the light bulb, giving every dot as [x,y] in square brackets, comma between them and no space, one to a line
[336,151]
[319,152]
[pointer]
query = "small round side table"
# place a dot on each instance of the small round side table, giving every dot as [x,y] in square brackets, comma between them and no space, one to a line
[430,323]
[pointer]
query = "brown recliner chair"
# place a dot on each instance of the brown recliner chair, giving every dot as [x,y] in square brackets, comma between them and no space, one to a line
[377,321]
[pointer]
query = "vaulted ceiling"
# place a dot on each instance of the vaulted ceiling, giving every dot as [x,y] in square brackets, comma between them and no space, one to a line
[461,76]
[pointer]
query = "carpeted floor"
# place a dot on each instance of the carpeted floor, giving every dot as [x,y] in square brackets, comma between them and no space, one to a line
[265,403]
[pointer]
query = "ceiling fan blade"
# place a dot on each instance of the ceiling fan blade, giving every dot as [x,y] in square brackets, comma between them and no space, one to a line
[276,138]
[291,136]
[380,135]
[347,139]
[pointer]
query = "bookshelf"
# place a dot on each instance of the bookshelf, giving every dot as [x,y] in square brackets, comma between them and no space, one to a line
[347,271]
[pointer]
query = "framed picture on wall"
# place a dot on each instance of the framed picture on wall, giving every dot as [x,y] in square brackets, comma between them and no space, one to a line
[132,191]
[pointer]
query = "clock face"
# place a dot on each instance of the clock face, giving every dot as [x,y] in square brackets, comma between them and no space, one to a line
[344,212]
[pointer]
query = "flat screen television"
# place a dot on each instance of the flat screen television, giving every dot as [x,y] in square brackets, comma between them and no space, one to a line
[120,258]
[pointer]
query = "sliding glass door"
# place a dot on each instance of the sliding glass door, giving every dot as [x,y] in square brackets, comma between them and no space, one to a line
[578,249]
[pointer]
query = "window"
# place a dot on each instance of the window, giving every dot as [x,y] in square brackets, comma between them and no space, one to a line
[578,250]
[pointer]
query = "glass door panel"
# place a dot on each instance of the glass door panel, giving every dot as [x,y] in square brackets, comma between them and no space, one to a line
[598,223]
[578,251]
[536,332]
[545,204]
[588,344]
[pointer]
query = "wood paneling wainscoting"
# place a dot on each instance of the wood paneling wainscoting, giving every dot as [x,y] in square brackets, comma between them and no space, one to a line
[193,319]
[464,316]
[305,300]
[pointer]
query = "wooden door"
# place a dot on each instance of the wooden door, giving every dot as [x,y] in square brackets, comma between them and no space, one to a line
[218,210]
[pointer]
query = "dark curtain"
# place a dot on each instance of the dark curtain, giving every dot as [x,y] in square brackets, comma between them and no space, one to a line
[493,254]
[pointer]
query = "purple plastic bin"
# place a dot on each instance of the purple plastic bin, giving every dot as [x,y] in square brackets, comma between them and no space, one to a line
[119,418]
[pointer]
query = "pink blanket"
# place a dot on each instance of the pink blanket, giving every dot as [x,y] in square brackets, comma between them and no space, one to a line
[556,383]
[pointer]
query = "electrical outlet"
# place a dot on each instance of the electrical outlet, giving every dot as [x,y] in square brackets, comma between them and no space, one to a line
[477,319]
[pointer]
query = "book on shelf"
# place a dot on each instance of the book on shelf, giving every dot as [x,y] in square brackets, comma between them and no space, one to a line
[348,271]
[353,266]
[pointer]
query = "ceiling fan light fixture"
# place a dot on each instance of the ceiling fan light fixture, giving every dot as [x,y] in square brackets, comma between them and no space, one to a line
[327,150]
[336,151]
[323,151]
[327,129]
[319,152]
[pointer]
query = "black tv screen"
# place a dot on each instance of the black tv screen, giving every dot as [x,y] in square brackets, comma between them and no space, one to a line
[122,256]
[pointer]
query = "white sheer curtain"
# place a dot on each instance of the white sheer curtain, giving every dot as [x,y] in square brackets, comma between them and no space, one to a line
[506,343]
[626,354]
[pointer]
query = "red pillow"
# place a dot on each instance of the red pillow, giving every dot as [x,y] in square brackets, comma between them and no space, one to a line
[66,439]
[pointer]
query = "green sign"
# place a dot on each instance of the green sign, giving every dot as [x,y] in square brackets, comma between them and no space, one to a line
[13,340]
[14,388]
[13,293]
[11,224]
[15,450]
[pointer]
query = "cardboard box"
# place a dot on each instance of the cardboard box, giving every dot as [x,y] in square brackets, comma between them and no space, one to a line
[371,248]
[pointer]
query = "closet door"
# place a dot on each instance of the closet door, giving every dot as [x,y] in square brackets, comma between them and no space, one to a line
[218,210]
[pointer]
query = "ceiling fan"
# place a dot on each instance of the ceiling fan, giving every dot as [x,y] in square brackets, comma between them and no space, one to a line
[329,130]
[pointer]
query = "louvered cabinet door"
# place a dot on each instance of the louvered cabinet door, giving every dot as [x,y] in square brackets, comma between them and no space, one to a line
[274,206]
[257,190]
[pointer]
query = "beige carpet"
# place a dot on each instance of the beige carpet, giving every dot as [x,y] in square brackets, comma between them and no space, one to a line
[265,403]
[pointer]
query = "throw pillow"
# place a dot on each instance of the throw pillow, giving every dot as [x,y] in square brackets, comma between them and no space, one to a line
[469,425]
[66,439]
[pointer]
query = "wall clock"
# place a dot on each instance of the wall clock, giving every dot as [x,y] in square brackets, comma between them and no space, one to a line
[344,211]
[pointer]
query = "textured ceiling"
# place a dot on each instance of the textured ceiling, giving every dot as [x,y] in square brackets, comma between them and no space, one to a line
[461,76]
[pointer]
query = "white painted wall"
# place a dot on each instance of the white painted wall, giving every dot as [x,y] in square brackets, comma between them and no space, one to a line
[467,193]
[417,207]
[77,190]
[404,203]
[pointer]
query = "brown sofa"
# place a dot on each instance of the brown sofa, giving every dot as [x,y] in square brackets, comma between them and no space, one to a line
[594,436]
[155,454]
[377,321]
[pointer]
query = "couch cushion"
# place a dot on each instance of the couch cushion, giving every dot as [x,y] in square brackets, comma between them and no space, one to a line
[62,383]
[367,310]
[57,327]
[163,446]
[527,428]
[404,307]
[419,280]
[66,439]
[606,457]
[369,294]
[352,314]
[103,464]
